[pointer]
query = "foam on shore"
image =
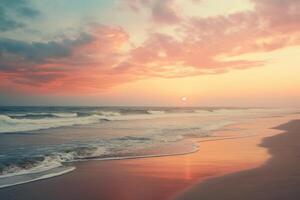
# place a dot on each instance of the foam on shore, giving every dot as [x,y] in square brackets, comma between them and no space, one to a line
[27,178]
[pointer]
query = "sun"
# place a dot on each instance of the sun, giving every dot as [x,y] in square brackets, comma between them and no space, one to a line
[184,99]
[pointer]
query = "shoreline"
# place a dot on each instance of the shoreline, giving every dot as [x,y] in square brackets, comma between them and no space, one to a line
[278,178]
[160,177]
[71,168]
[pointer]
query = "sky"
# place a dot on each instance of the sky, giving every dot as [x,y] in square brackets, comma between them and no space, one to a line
[150,52]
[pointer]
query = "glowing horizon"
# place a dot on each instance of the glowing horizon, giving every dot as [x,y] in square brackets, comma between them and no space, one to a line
[150,52]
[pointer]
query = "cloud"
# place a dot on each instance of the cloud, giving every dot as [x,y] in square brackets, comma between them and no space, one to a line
[279,15]
[27,12]
[102,56]
[85,58]
[164,12]
[162,55]
[202,42]
[10,10]
[39,51]
[6,23]
[161,12]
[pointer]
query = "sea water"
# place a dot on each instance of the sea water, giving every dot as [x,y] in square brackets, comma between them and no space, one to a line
[42,142]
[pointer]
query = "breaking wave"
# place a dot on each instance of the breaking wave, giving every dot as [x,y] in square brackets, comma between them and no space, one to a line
[58,162]
[9,124]
[32,121]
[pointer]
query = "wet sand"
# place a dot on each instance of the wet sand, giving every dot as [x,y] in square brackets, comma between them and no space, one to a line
[168,177]
[278,179]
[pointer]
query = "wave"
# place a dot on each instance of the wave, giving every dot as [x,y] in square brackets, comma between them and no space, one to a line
[41,115]
[33,122]
[32,165]
[17,179]
[30,121]
[109,113]
[119,147]
[9,124]
[48,162]
[58,163]
[65,114]
[156,112]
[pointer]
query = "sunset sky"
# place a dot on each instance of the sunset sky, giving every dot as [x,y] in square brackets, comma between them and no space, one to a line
[150,52]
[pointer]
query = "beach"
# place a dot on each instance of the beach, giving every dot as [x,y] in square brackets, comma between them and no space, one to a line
[149,100]
[262,164]
[278,178]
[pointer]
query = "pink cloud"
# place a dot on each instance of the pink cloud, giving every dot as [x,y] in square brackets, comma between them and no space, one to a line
[97,59]
[204,40]
[162,12]
[84,66]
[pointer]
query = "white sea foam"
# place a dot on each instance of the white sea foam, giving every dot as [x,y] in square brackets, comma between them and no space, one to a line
[54,165]
[156,112]
[51,162]
[37,114]
[109,113]
[21,179]
[47,164]
[31,175]
[8,124]
[26,114]
[65,114]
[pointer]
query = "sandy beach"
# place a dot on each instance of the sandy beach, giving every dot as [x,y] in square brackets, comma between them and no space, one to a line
[261,165]
[278,179]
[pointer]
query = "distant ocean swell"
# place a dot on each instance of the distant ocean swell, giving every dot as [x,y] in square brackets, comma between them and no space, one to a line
[31,121]
[16,124]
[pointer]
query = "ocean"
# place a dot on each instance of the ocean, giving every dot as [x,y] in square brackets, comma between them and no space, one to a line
[42,142]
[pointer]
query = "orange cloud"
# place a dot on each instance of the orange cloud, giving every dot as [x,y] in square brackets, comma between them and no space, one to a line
[103,56]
